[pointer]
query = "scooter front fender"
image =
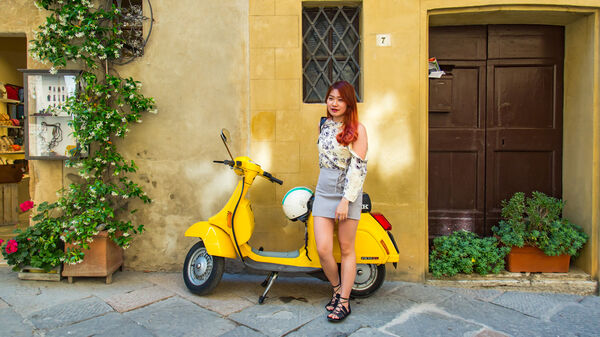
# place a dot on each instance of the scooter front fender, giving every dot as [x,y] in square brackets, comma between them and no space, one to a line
[216,241]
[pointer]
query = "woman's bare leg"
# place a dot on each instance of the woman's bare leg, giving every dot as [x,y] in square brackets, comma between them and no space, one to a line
[347,238]
[324,240]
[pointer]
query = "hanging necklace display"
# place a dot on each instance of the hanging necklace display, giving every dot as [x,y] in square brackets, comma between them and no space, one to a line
[57,137]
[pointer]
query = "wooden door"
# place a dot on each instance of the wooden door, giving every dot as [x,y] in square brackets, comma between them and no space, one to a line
[495,123]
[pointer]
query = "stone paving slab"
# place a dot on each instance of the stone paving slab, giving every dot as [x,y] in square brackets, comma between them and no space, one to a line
[432,325]
[242,331]
[111,324]
[277,319]
[486,295]
[320,326]
[420,293]
[13,325]
[538,305]
[122,283]
[580,318]
[138,298]
[68,313]
[228,297]
[369,332]
[591,302]
[489,333]
[178,317]
[501,319]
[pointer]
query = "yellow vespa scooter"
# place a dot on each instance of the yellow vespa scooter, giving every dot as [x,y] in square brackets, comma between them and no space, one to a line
[226,235]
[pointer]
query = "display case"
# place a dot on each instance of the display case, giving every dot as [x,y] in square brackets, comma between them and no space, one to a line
[48,134]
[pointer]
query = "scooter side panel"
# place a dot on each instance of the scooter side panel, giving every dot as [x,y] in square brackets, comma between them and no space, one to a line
[369,236]
[216,241]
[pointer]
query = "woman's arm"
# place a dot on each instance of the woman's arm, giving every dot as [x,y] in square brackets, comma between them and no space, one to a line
[357,170]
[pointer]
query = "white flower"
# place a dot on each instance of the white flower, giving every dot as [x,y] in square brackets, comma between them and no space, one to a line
[139,121]
[153,111]
[125,196]
[125,234]
[110,230]
[131,96]
[102,199]
[53,71]
[113,192]
[123,120]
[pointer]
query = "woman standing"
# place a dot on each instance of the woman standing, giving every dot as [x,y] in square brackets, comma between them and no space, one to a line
[343,167]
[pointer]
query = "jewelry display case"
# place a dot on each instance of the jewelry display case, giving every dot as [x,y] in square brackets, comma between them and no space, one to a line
[48,134]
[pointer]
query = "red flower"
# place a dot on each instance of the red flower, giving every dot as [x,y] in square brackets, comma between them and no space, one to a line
[11,246]
[1,242]
[27,205]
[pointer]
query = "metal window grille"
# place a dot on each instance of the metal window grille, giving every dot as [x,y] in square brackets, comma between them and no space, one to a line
[330,50]
[132,18]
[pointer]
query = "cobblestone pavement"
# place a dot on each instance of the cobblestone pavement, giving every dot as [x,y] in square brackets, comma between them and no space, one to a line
[158,304]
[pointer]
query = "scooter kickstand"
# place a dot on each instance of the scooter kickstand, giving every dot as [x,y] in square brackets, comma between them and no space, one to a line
[268,282]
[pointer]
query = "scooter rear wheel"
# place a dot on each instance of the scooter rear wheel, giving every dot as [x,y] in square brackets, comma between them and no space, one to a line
[202,271]
[369,277]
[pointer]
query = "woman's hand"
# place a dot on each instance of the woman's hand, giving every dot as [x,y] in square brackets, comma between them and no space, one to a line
[341,212]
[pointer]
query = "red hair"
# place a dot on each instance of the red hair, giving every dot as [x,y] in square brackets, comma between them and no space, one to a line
[349,132]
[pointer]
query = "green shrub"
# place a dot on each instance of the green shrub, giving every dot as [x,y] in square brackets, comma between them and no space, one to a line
[465,252]
[537,222]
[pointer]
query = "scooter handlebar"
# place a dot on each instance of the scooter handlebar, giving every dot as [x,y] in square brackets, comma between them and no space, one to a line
[271,178]
[226,162]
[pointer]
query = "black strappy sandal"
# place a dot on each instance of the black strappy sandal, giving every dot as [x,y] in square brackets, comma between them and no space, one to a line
[334,299]
[340,311]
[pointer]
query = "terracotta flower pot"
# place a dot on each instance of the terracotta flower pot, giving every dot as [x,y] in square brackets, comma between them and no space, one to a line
[533,259]
[102,259]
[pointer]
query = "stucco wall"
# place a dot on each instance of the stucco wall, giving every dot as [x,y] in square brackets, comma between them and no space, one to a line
[196,66]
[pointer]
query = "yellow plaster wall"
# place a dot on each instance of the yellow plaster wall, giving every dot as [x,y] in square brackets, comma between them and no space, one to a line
[579,167]
[284,130]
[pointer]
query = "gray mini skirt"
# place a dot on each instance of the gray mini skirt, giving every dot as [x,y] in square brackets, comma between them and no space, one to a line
[329,192]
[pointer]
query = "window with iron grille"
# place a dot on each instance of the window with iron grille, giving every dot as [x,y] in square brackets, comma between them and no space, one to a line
[132,18]
[330,50]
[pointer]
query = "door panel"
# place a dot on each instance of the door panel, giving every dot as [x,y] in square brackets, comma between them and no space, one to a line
[456,152]
[524,131]
[523,96]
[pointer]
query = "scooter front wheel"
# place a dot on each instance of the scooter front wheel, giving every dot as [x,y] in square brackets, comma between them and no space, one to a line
[369,277]
[202,271]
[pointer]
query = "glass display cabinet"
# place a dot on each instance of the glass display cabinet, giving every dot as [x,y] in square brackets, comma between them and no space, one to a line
[48,134]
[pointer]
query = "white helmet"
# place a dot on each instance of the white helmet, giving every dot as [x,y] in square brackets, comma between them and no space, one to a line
[295,202]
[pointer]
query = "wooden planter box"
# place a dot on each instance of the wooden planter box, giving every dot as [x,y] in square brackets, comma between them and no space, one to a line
[38,274]
[102,259]
[533,260]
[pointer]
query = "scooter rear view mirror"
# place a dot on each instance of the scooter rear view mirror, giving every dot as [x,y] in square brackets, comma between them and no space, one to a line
[225,136]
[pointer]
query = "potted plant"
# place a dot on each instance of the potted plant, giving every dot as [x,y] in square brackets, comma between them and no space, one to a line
[95,207]
[465,252]
[36,249]
[541,239]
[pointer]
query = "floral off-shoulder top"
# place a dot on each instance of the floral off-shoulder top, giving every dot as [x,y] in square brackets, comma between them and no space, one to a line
[332,155]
